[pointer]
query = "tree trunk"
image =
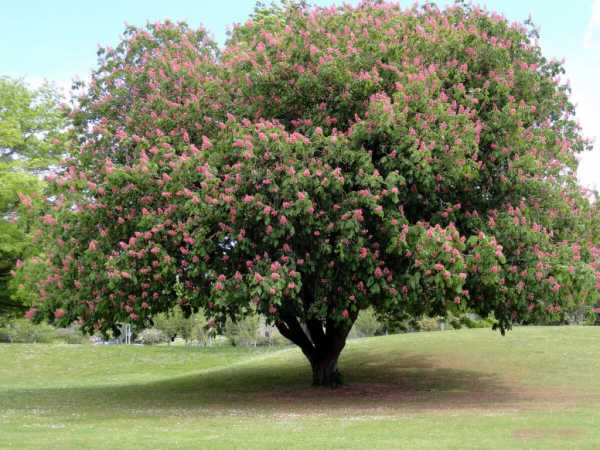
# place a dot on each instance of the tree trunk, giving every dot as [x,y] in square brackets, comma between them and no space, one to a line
[321,347]
[325,371]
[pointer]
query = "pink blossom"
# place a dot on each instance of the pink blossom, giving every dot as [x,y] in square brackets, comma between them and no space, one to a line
[49,220]
[358,215]
[25,200]
[31,312]
[206,144]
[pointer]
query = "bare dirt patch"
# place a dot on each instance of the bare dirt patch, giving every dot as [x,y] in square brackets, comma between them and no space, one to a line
[546,433]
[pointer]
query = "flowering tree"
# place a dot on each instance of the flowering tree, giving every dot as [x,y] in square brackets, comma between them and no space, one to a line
[417,161]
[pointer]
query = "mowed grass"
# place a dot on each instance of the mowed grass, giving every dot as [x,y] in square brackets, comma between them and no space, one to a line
[537,387]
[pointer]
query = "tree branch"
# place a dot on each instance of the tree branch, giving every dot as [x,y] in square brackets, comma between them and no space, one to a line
[290,328]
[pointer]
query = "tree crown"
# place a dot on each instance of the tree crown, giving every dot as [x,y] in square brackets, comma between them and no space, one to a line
[329,159]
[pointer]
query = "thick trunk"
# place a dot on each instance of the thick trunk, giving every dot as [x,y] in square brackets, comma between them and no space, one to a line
[321,349]
[325,371]
[321,342]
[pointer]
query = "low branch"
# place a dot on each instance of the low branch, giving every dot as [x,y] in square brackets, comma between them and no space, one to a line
[290,328]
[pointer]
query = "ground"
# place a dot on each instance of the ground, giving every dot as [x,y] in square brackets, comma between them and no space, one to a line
[537,387]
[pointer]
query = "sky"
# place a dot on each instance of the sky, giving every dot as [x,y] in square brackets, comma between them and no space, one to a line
[57,41]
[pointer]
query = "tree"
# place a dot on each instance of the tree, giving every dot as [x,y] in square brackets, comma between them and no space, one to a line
[175,324]
[31,140]
[13,238]
[416,161]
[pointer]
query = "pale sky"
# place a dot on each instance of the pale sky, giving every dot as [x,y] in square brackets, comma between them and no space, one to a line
[57,40]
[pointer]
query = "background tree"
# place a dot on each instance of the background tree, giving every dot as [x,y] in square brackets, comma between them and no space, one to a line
[31,141]
[417,161]
[13,237]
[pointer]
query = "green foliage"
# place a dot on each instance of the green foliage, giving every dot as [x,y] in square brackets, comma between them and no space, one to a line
[14,330]
[428,324]
[174,323]
[192,329]
[32,125]
[451,322]
[14,239]
[469,321]
[23,331]
[32,139]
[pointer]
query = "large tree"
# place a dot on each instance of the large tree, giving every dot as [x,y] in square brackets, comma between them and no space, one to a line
[32,137]
[417,161]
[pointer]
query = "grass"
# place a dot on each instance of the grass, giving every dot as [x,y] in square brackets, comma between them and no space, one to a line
[538,387]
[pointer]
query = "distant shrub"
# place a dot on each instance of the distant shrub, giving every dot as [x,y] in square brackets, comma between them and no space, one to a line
[4,336]
[453,322]
[366,324]
[71,335]
[428,324]
[200,333]
[243,332]
[23,331]
[474,321]
[152,336]
[581,314]
[272,336]
[174,324]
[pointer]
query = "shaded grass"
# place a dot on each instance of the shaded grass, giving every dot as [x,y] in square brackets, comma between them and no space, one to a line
[536,388]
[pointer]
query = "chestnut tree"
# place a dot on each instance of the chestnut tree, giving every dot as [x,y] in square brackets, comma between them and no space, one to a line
[417,161]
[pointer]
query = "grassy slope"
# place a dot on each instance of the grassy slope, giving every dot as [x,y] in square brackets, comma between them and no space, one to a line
[535,388]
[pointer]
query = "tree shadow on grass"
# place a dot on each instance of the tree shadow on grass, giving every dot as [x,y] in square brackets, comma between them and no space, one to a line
[281,385]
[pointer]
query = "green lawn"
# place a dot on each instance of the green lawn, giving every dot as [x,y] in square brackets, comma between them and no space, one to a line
[538,387]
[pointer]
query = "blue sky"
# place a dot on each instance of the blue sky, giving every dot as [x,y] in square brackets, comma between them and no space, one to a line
[57,40]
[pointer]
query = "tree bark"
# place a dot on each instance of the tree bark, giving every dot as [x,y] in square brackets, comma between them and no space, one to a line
[325,371]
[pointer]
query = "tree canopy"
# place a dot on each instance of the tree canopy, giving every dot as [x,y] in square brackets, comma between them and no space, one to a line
[418,161]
